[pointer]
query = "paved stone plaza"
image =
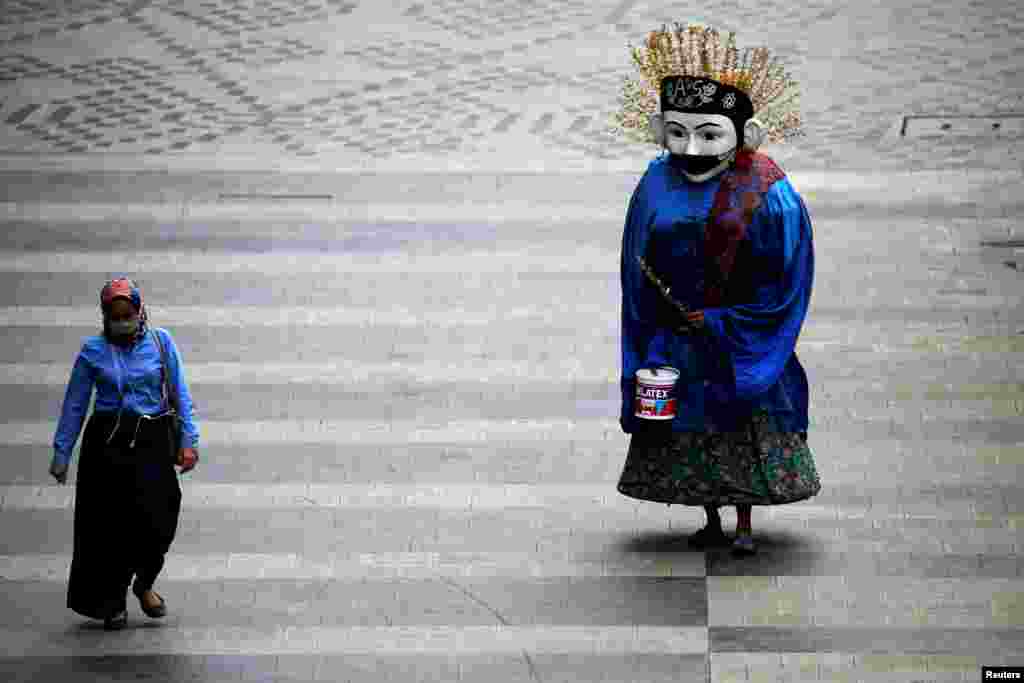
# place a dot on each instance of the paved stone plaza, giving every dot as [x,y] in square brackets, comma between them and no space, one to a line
[338,84]
[386,240]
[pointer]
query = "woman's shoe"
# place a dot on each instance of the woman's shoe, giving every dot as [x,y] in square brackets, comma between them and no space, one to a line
[709,537]
[152,612]
[116,622]
[744,545]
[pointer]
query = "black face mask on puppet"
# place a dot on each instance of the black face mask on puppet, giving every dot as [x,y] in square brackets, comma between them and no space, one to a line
[698,164]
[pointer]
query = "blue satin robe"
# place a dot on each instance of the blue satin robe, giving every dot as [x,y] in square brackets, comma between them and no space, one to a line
[745,358]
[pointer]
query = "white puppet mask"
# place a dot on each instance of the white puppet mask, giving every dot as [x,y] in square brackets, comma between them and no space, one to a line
[703,145]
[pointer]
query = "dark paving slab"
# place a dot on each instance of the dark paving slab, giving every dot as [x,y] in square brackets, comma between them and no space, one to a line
[568,668]
[557,601]
[982,643]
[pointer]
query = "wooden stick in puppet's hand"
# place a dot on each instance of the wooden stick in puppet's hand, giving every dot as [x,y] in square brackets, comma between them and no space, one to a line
[684,311]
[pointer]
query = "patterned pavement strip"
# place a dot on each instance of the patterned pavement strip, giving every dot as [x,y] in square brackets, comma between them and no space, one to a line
[406,85]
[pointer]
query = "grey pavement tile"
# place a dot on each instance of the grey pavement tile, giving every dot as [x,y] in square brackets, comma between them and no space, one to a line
[317,533]
[877,639]
[835,360]
[919,423]
[856,600]
[129,236]
[995,431]
[922,342]
[777,538]
[462,288]
[595,601]
[269,402]
[947,474]
[496,463]
[627,528]
[850,356]
[949,565]
[237,344]
[833,201]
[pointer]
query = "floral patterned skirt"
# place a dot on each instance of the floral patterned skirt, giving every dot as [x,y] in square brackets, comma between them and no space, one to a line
[756,465]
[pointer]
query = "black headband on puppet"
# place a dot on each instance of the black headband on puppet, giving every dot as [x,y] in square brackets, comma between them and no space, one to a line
[700,95]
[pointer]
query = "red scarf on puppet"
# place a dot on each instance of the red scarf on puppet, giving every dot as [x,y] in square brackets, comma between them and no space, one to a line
[740,194]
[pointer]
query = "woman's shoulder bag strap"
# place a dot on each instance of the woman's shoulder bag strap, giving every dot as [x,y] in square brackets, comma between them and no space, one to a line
[169,395]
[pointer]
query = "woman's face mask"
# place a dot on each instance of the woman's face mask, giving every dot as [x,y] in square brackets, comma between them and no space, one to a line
[123,319]
[124,328]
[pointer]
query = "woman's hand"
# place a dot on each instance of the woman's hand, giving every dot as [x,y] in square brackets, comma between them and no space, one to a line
[187,459]
[59,472]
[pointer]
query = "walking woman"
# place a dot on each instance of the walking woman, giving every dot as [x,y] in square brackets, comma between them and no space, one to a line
[127,496]
[717,267]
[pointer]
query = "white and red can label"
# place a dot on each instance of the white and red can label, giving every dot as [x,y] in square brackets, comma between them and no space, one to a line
[656,393]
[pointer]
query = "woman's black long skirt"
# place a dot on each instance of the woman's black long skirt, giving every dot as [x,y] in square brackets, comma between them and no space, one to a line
[127,502]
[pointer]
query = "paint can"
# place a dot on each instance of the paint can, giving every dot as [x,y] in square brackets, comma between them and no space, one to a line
[656,393]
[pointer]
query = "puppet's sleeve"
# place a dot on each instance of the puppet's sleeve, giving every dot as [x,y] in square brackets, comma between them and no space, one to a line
[636,328]
[759,336]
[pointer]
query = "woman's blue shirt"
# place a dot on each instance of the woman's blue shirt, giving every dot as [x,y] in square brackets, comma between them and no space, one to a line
[124,377]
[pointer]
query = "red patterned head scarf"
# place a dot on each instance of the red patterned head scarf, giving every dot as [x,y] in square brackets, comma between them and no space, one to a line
[122,288]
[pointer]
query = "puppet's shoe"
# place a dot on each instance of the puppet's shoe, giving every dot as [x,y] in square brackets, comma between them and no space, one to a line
[116,622]
[744,545]
[709,537]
